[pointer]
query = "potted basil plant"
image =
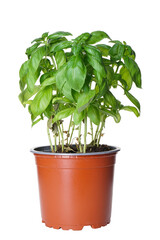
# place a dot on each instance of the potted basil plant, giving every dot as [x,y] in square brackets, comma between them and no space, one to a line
[70,83]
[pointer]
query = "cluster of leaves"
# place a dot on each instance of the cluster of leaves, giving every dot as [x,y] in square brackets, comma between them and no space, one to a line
[76,78]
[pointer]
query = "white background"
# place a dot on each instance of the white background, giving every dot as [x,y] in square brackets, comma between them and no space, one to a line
[136,199]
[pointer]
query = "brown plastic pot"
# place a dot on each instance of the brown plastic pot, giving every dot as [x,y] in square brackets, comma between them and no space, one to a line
[75,189]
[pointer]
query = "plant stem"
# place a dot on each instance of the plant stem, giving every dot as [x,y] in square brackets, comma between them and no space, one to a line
[85,133]
[50,141]
[79,138]
[95,136]
[69,128]
[62,138]
[71,134]
[54,62]
[55,142]
[91,129]
[100,131]
[59,136]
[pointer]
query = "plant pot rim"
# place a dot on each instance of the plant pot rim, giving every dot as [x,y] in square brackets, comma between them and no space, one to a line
[40,150]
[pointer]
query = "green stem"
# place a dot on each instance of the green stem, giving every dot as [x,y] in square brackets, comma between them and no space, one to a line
[69,128]
[95,136]
[62,138]
[55,142]
[85,134]
[54,62]
[71,135]
[100,131]
[50,141]
[91,129]
[79,138]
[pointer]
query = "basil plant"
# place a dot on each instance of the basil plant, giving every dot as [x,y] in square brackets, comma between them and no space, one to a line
[75,79]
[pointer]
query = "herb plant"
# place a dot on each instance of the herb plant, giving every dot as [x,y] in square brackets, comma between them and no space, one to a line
[74,78]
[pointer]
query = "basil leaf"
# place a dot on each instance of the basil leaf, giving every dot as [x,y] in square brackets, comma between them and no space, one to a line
[125,75]
[134,70]
[131,109]
[94,114]
[32,49]
[67,91]
[33,67]
[97,36]
[60,58]
[23,74]
[25,94]
[63,114]
[93,51]
[58,35]
[63,45]
[78,117]
[82,38]
[116,116]
[84,100]
[61,77]
[49,81]
[41,101]
[44,35]
[38,40]
[96,64]
[35,122]
[104,49]
[110,100]
[117,51]
[133,99]
[76,73]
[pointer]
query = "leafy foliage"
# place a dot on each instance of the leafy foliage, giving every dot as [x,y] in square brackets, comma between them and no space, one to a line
[75,78]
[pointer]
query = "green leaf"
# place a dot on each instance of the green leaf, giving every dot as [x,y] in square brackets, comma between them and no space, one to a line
[63,45]
[49,81]
[117,51]
[59,35]
[25,95]
[131,109]
[46,75]
[31,49]
[78,117]
[110,100]
[23,74]
[61,77]
[41,101]
[116,116]
[104,49]
[93,51]
[33,67]
[60,58]
[134,70]
[76,73]
[37,40]
[63,114]
[133,99]
[35,122]
[125,75]
[102,89]
[44,35]
[67,91]
[110,74]
[61,100]
[115,41]
[76,49]
[84,100]
[97,36]
[82,38]
[96,64]
[94,114]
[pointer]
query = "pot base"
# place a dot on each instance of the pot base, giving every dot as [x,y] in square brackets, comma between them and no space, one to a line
[75,227]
